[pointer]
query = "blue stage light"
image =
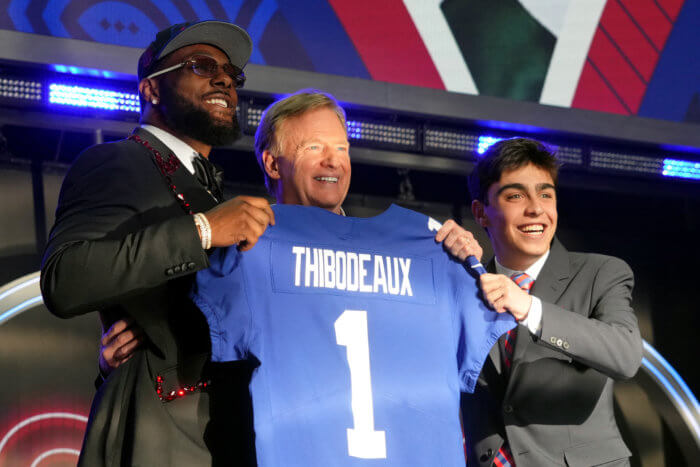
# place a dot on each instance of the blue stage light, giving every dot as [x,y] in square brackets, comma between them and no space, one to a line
[681,169]
[104,99]
[486,142]
[77,70]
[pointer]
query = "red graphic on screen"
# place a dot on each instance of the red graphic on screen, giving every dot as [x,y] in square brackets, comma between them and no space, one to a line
[41,439]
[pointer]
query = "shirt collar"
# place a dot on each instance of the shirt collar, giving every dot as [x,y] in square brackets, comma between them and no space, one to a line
[183,151]
[533,271]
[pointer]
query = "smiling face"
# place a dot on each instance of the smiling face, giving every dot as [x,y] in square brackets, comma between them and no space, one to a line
[521,215]
[313,164]
[195,107]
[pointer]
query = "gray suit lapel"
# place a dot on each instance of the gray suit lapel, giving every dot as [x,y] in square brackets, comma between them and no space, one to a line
[554,277]
[549,286]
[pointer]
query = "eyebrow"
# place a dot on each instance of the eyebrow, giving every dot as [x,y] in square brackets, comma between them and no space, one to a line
[520,186]
[316,140]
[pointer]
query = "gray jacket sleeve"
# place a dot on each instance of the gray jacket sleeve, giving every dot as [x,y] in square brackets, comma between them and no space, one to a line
[601,331]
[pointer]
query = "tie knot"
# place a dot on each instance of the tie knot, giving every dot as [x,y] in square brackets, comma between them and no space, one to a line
[208,175]
[523,281]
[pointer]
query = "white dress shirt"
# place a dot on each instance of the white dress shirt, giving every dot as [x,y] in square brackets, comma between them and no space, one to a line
[183,151]
[533,320]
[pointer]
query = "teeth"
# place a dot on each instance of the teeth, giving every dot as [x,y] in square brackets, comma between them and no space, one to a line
[219,102]
[327,179]
[533,228]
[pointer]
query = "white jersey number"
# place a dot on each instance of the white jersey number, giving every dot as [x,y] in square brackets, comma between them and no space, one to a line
[363,440]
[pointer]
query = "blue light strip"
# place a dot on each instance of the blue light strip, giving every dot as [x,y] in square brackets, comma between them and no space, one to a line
[77,70]
[667,366]
[674,394]
[681,169]
[79,96]
[14,289]
[486,142]
[19,308]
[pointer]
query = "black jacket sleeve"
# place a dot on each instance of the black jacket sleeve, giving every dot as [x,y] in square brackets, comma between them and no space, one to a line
[118,232]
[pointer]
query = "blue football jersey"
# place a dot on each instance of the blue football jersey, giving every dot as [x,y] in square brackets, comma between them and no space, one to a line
[366,331]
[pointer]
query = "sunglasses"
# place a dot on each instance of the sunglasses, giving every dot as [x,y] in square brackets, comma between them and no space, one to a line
[206,67]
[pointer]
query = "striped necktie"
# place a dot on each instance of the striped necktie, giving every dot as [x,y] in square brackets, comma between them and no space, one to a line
[504,458]
[525,282]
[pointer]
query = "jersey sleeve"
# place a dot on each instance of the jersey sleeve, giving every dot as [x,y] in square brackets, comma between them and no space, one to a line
[477,327]
[220,294]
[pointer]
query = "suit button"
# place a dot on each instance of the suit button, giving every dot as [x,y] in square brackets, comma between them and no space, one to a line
[191,265]
[508,408]
[184,266]
[553,340]
[169,272]
[486,456]
[177,269]
[559,342]
[566,345]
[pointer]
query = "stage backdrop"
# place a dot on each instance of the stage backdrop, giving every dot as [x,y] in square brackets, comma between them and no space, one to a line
[630,57]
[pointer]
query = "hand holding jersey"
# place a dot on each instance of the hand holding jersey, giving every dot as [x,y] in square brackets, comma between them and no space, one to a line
[239,221]
[458,242]
[302,148]
[504,295]
[363,350]
[577,329]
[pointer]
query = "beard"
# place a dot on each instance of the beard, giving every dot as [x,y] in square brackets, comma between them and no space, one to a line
[186,118]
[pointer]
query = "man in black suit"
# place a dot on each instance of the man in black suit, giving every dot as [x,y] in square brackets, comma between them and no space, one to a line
[134,222]
[545,394]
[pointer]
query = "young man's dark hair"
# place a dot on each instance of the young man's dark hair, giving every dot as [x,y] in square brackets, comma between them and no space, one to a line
[509,154]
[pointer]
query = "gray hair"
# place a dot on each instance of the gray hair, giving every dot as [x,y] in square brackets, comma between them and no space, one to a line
[292,106]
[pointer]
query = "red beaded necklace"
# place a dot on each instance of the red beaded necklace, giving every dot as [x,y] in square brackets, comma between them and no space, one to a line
[167,168]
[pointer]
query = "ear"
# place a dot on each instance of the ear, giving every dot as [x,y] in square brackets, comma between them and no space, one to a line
[271,165]
[148,88]
[479,213]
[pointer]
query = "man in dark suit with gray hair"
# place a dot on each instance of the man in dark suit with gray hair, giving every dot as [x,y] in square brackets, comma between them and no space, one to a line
[545,394]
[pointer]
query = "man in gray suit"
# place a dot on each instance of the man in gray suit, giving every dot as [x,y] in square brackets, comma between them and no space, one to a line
[545,394]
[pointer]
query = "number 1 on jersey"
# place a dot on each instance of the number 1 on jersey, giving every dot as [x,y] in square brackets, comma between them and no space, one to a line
[363,440]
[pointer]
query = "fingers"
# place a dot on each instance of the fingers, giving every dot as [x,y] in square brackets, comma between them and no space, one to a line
[444,230]
[459,242]
[119,343]
[261,203]
[503,295]
[241,220]
[493,289]
[116,328]
[127,350]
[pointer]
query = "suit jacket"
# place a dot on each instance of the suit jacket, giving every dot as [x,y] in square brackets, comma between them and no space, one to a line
[123,245]
[556,407]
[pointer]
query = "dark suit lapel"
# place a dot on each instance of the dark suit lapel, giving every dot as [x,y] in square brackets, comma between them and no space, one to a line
[185,183]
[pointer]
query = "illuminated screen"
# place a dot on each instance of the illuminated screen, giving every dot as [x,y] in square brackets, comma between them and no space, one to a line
[625,57]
